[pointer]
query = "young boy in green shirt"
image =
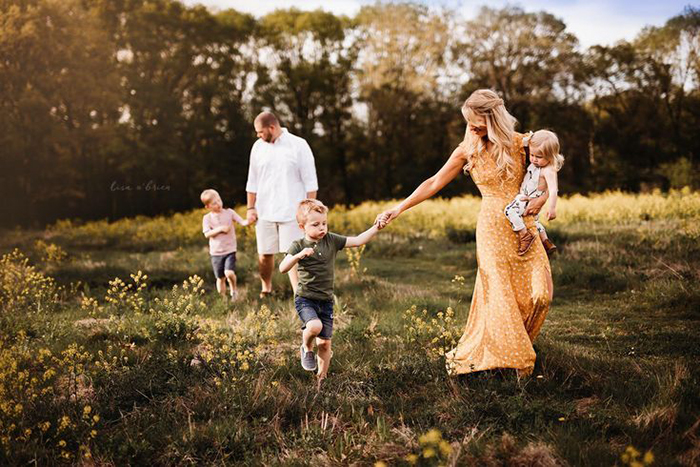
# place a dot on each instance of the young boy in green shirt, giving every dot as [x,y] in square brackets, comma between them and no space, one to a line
[315,254]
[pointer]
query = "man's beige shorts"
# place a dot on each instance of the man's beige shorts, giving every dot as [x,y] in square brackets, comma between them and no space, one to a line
[276,237]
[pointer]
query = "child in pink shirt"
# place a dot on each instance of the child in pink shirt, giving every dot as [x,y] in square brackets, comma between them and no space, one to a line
[217,226]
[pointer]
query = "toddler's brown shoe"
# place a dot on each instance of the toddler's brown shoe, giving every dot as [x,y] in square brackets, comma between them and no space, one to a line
[549,247]
[526,242]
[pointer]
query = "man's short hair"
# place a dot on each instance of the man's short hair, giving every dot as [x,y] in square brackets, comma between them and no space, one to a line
[207,195]
[267,119]
[308,205]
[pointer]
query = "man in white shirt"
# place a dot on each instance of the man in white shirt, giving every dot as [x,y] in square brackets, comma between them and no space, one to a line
[280,175]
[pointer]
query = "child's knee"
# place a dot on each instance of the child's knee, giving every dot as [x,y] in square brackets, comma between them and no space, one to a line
[314,326]
[230,274]
[324,345]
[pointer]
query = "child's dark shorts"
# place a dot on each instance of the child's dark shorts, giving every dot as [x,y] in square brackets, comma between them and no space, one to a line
[309,308]
[223,263]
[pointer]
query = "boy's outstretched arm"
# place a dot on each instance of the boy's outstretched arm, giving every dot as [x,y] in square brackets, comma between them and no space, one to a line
[363,238]
[239,219]
[290,260]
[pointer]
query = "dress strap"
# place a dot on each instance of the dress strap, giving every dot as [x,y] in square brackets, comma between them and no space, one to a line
[526,146]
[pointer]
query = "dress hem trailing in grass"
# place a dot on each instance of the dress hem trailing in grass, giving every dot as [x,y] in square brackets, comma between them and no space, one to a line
[511,294]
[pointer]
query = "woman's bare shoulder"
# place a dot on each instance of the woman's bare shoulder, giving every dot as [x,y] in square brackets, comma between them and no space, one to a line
[460,152]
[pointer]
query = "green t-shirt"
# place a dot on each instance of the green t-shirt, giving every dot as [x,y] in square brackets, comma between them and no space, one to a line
[316,272]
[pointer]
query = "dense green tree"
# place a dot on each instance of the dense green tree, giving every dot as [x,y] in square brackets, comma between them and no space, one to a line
[306,61]
[101,97]
[411,126]
[525,57]
[58,108]
[645,103]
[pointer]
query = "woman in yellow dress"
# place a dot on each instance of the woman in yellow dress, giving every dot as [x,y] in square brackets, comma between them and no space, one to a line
[512,293]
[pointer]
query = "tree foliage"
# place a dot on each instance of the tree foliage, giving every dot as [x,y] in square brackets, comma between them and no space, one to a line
[124,107]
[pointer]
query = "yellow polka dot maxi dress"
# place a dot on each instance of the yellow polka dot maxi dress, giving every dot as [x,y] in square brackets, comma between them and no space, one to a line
[511,295]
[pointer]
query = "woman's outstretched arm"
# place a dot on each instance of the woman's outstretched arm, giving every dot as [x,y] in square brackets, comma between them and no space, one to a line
[428,188]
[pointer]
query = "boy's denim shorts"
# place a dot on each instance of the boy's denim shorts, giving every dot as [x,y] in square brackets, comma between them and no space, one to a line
[223,263]
[309,308]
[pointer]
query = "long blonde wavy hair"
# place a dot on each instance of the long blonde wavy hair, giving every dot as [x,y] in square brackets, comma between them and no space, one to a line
[500,127]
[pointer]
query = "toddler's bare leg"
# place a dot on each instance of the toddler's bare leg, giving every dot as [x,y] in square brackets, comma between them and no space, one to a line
[231,278]
[221,286]
[312,329]
[324,356]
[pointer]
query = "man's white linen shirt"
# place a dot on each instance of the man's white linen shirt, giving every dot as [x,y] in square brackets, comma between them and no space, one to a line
[281,173]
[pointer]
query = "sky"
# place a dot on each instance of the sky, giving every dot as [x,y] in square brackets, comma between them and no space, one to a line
[592,21]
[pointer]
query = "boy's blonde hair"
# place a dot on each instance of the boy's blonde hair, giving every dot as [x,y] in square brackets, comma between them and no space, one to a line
[308,205]
[548,143]
[207,195]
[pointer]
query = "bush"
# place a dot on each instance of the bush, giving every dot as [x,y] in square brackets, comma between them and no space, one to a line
[23,289]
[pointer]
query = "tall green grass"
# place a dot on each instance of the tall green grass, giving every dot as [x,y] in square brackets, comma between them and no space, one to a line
[94,370]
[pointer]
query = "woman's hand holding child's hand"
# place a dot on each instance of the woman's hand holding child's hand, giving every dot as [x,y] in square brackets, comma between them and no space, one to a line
[386,217]
[551,214]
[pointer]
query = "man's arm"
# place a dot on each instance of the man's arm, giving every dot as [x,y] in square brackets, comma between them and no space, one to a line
[251,211]
[363,238]
[307,169]
[251,186]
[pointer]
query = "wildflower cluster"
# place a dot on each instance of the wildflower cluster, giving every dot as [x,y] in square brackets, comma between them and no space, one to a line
[90,305]
[43,399]
[225,355]
[50,252]
[23,288]
[634,458]
[127,297]
[691,230]
[458,281]
[175,317]
[354,256]
[433,450]
[114,360]
[436,334]
[260,328]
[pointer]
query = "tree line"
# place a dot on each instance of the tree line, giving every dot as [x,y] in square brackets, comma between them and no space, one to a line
[112,108]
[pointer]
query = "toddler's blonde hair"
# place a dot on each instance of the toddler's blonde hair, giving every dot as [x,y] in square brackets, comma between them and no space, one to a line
[308,205]
[548,143]
[207,195]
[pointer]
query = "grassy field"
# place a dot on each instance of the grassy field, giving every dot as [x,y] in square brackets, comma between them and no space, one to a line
[155,369]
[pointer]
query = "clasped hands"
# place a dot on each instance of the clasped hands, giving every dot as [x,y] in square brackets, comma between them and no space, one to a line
[383,219]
